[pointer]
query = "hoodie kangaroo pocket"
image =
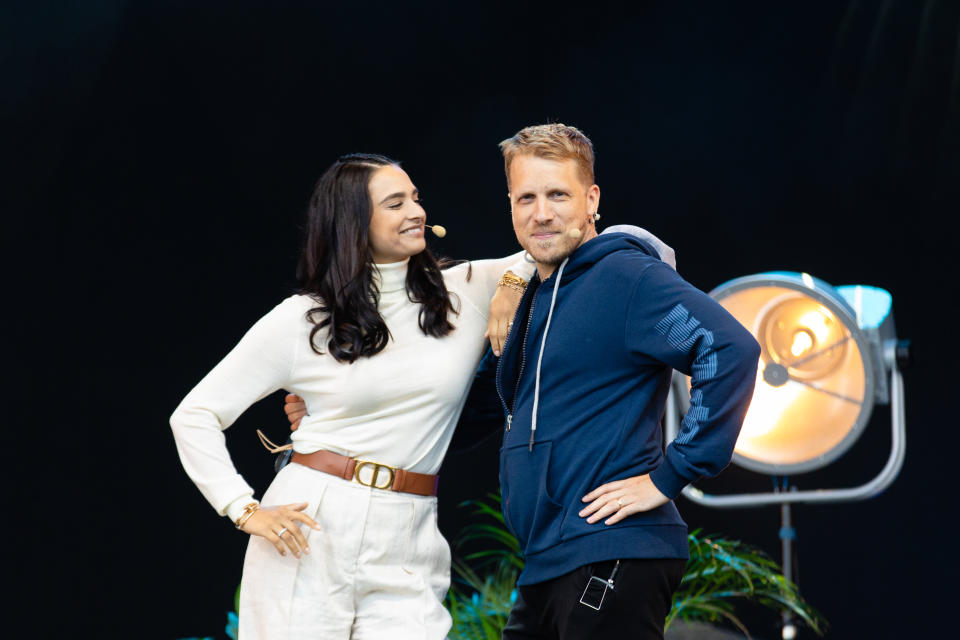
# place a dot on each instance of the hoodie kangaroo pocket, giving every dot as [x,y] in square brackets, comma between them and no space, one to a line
[528,509]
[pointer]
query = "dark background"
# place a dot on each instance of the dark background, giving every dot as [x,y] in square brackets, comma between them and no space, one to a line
[163,153]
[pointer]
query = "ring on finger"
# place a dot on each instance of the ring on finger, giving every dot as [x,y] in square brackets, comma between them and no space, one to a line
[619,503]
[281,532]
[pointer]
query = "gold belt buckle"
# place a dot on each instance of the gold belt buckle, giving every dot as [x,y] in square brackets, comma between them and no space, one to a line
[377,466]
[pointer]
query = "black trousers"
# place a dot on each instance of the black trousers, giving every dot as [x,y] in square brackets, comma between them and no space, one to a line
[636,607]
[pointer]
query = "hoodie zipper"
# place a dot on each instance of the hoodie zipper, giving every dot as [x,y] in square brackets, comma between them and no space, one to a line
[523,362]
[509,410]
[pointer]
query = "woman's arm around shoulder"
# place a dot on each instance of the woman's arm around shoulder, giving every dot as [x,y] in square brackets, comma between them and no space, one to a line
[476,280]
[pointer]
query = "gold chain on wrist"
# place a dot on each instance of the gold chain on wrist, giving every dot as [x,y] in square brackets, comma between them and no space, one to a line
[512,281]
[248,511]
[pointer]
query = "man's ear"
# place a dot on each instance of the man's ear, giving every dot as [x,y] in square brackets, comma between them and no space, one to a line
[593,197]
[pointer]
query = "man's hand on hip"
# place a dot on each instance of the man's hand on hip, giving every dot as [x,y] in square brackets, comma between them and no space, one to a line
[622,498]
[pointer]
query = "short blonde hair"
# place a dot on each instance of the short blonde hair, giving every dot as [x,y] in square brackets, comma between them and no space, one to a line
[556,141]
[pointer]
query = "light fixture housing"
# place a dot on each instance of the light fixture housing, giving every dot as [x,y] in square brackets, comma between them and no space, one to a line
[828,355]
[816,383]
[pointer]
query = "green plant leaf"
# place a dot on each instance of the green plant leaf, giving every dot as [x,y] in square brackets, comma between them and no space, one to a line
[719,574]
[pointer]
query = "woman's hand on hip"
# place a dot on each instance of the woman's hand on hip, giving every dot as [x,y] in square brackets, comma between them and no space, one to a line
[295,408]
[279,526]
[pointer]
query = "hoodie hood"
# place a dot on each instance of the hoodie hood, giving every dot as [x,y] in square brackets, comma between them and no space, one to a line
[585,257]
[596,249]
[630,240]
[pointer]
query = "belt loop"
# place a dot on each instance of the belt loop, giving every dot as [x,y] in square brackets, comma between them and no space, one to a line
[349,468]
[399,480]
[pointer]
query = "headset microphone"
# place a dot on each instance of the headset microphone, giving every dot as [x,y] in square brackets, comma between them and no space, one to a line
[437,230]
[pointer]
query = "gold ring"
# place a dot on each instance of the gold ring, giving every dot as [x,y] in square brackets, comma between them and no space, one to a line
[619,503]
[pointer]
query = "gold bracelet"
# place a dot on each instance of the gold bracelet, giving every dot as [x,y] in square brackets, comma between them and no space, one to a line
[512,281]
[248,511]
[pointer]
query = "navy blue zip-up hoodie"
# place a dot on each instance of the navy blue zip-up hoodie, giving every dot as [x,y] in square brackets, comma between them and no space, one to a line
[619,320]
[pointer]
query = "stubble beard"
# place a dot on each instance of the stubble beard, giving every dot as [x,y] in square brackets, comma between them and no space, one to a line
[554,255]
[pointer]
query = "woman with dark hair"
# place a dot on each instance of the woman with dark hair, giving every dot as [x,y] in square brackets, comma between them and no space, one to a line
[382,346]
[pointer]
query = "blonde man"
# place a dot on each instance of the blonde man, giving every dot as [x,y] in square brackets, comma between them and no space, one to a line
[583,377]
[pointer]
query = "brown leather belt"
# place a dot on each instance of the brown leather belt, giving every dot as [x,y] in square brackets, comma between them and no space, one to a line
[421,484]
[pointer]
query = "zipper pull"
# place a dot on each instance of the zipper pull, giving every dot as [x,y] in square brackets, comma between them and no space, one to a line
[509,421]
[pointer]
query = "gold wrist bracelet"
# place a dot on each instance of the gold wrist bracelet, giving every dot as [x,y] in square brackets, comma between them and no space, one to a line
[512,281]
[248,511]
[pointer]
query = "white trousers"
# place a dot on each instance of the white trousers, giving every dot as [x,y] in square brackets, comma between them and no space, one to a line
[379,567]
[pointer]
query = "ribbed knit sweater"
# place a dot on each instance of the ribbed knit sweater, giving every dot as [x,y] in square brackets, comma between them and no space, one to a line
[398,407]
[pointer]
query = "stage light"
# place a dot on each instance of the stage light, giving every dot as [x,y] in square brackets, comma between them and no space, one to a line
[815,385]
[828,355]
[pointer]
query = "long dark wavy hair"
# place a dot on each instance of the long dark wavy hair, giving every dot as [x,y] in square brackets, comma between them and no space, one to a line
[336,266]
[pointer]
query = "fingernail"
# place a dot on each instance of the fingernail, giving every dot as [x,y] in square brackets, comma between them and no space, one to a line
[581,513]
[496,353]
[306,550]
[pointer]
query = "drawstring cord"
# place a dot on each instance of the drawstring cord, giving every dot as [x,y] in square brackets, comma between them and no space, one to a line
[546,328]
[270,446]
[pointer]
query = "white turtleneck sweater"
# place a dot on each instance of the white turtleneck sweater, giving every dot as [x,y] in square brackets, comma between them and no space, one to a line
[398,407]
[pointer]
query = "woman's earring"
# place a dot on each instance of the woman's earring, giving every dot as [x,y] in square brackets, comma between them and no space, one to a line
[596,216]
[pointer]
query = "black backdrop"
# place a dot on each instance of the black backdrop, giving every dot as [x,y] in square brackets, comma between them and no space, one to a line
[164,152]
